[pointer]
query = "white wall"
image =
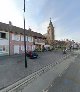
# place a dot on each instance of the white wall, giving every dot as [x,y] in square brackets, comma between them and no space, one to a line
[4,43]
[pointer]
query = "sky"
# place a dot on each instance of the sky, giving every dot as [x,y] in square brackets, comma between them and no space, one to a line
[65,16]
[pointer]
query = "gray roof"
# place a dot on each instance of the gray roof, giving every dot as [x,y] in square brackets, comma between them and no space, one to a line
[14,29]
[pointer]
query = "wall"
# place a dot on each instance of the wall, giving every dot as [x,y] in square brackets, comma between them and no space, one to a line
[4,44]
[18,40]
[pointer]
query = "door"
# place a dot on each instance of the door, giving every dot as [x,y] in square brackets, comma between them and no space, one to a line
[16,49]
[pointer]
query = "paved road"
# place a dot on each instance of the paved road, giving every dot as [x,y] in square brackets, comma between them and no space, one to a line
[12,68]
[42,82]
[69,81]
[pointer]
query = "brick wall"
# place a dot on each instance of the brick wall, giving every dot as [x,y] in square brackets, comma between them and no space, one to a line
[20,43]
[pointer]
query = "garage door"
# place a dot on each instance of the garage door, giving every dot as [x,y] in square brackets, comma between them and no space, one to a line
[16,49]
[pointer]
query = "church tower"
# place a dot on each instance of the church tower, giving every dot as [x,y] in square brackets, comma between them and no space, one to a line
[50,33]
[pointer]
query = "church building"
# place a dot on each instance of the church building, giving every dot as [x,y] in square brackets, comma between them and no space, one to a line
[50,37]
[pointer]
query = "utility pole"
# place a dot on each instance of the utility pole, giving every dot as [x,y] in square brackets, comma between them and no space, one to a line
[25,38]
[10,28]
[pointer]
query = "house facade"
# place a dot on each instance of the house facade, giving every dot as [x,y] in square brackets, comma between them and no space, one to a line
[39,41]
[4,42]
[12,40]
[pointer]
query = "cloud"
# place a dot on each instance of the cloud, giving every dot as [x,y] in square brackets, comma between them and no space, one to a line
[43,26]
[9,12]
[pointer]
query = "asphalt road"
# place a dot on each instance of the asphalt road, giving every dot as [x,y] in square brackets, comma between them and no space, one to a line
[69,81]
[12,68]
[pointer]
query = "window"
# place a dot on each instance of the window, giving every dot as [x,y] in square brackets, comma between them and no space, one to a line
[22,38]
[3,35]
[35,40]
[40,40]
[26,38]
[29,39]
[32,39]
[17,37]
[22,48]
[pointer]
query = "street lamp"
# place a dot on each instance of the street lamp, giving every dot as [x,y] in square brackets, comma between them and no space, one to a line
[10,28]
[25,38]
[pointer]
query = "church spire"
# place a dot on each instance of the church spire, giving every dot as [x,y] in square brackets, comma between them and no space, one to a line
[50,22]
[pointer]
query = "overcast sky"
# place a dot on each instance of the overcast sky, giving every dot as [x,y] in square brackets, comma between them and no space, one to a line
[65,16]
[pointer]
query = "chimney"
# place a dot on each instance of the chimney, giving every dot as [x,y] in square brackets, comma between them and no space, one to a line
[10,23]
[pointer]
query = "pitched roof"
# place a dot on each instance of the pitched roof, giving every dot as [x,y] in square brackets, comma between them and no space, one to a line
[14,29]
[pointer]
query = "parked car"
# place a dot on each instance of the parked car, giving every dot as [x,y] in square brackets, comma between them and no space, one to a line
[32,54]
[65,51]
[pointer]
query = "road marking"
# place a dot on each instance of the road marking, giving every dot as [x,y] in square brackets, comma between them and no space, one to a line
[44,90]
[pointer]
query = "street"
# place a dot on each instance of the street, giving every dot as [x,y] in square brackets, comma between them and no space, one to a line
[43,82]
[69,81]
[12,68]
